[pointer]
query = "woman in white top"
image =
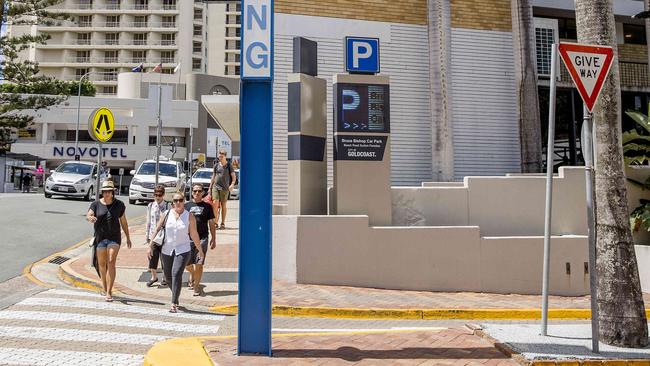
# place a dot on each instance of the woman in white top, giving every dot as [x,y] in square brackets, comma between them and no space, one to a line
[179,226]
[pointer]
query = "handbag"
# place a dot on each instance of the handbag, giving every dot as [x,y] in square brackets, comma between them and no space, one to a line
[159,240]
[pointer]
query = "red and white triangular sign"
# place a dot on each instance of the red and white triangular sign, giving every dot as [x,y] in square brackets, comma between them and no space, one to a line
[589,66]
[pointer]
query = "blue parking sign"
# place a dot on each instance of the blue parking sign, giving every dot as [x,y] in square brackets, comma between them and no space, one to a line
[362,55]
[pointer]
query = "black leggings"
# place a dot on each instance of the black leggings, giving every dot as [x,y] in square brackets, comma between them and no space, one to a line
[173,267]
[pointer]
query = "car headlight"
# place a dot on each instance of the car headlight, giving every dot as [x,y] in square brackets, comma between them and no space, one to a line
[136,182]
[83,181]
[169,184]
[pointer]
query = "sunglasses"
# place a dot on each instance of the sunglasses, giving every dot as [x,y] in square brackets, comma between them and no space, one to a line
[197,191]
[177,200]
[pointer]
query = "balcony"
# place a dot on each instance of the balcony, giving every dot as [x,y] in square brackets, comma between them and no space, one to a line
[138,60]
[83,42]
[169,7]
[83,6]
[169,24]
[168,42]
[112,24]
[110,60]
[87,24]
[139,42]
[168,60]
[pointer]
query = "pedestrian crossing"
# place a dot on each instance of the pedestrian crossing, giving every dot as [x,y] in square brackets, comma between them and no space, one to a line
[68,327]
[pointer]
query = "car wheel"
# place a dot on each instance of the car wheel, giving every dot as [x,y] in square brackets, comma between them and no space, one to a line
[132,201]
[89,195]
[47,195]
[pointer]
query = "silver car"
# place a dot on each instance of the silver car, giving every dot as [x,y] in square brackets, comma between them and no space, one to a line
[72,179]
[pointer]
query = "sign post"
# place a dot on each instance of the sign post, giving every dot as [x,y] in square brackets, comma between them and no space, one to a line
[121,174]
[589,66]
[256,124]
[101,126]
[550,146]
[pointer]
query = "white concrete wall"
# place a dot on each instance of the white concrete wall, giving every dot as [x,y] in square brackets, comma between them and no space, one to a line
[346,251]
[500,206]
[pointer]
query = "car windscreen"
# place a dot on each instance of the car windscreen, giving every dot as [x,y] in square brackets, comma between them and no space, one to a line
[203,174]
[166,170]
[74,168]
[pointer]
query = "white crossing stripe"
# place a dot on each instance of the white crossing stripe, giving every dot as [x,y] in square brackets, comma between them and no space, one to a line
[72,293]
[107,320]
[82,304]
[39,357]
[79,335]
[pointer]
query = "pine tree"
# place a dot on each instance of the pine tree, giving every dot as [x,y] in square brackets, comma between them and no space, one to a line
[22,87]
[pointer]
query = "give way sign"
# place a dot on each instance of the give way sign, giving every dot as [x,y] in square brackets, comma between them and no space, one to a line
[589,66]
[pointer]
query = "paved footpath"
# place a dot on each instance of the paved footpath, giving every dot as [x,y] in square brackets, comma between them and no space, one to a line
[457,346]
[75,327]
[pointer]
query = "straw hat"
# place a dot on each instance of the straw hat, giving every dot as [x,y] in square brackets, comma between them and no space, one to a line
[108,185]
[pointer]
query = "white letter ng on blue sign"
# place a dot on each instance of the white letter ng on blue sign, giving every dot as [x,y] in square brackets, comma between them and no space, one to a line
[257,39]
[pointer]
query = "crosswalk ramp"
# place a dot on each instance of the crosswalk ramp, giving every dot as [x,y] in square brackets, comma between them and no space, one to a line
[74,327]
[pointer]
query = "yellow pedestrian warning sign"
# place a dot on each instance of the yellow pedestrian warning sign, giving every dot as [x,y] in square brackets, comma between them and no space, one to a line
[101,124]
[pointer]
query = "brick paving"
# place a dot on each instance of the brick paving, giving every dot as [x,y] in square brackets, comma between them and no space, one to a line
[458,346]
[132,263]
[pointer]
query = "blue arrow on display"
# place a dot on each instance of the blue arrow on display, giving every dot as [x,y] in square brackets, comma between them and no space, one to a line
[346,125]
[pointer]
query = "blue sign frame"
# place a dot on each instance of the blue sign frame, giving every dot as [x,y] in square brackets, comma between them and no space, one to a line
[371,65]
[255,220]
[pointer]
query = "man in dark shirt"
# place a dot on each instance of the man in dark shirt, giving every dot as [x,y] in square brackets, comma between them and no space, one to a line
[204,216]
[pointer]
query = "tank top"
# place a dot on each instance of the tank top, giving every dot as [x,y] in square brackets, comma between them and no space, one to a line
[177,233]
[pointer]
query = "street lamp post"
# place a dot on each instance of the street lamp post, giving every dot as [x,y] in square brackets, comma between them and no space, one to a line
[76,134]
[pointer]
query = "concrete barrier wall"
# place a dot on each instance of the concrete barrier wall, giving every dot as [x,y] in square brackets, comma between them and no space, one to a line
[500,206]
[345,250]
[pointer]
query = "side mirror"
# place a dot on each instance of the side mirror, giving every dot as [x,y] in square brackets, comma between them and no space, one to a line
[132,172]
[183,176]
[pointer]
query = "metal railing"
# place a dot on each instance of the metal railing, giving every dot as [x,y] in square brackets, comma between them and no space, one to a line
[112,24]
[84,42]
[167,42]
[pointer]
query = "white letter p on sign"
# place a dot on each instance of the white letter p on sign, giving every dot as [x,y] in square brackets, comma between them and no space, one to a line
[357,46]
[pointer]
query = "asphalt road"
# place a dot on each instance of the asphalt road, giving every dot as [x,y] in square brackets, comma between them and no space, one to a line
[32,227]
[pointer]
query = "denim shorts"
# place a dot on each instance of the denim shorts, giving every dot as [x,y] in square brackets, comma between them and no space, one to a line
[104,244]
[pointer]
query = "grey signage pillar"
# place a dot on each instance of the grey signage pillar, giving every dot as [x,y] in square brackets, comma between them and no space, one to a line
[307,121]
[362,147]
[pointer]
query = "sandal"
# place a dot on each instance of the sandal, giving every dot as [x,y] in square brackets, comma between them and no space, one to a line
[223,226]
[109,298]
[190,284]
[163,282]
[174,309]
[151,282]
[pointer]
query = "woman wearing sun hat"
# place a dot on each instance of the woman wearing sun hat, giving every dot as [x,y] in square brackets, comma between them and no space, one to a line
[107,215]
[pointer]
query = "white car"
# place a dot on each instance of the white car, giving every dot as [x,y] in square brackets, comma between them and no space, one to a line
[144,179]
[72,179]
[201,176]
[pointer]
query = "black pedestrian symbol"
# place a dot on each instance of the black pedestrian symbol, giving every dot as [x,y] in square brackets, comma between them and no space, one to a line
[103,119]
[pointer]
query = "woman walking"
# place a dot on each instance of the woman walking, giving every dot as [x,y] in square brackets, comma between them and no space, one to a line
[179,226]
[155,211]
[108,216]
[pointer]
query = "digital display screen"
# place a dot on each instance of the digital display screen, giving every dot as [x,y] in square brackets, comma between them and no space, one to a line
[362,108]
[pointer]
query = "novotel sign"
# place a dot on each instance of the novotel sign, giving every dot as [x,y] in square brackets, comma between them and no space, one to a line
[113,152]
[257,39]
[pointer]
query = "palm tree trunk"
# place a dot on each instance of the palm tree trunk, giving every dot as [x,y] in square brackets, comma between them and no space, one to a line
[523,37]
[442,154]
[620,302]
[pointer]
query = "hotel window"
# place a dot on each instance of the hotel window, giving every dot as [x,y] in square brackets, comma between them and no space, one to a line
[140,21]
[83,38]
[168,39]
[140,39]
[110,56]
[112,21]
[78,73]
[167,57]
[169,21]
[634,34]
[85,21]
[112,38]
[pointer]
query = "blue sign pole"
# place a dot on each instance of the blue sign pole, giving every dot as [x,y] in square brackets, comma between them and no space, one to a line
[256,125]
